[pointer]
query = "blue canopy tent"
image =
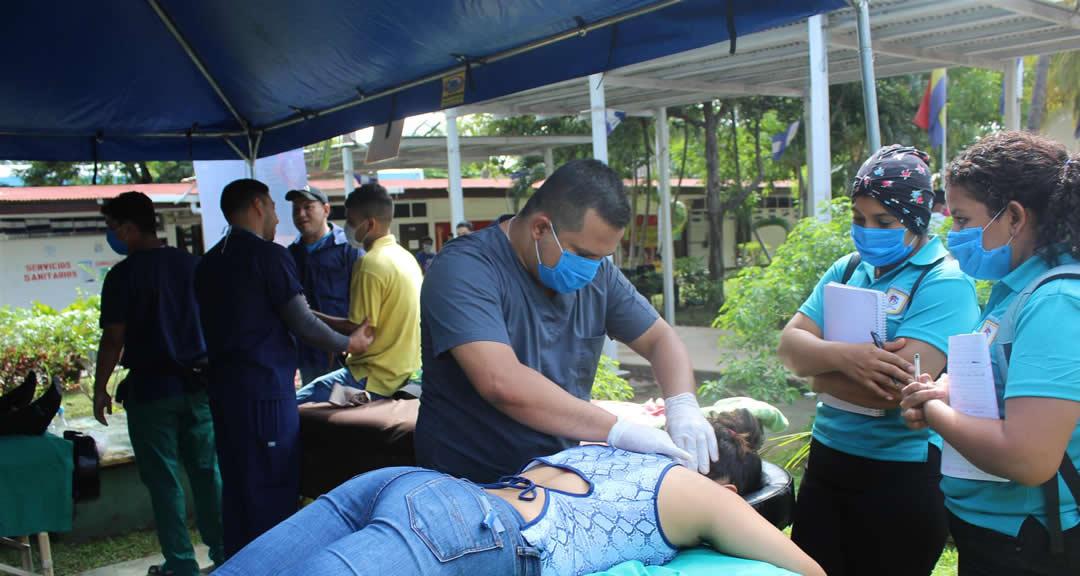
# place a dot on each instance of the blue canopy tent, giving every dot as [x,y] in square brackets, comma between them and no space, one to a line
[205,79]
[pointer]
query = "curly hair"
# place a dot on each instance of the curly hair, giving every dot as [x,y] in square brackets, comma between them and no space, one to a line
[1032,170]
[738,437]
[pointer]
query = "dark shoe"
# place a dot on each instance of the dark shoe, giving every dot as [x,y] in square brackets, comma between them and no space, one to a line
[20,396]
[159,571]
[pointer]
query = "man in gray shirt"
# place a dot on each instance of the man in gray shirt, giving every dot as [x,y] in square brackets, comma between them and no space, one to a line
[513,319]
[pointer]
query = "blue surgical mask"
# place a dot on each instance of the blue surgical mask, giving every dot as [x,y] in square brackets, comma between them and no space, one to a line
[570,274]
[118,245]
[967,247]
[881,246]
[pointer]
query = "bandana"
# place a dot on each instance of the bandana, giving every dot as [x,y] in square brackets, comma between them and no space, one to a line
[898,177]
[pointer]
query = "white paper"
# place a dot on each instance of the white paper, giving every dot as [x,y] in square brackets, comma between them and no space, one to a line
[971,392]
[851,314]
[342,396]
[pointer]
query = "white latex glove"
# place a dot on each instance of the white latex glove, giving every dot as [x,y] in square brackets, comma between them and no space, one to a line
[626,435]
[690,431]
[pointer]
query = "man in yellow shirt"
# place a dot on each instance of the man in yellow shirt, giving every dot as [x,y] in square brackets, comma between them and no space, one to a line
[384,297]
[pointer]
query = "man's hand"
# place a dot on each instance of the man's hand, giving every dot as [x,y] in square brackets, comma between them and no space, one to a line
[102,405]
[917,394]
[876,368]
[626,435]
[690,431]
[361,338]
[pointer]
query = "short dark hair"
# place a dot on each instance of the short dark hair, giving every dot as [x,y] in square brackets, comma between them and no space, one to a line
[372,201]
[577,186]
[1029,169]
[238,194]
[738,437]
[939,197]
[464,224]
[134,207]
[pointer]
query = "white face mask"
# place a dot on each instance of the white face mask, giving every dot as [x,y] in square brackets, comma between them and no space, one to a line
[428,248]
[350,234]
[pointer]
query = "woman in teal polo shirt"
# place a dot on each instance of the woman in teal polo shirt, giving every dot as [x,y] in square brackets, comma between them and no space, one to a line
[1015,201]
[870,502]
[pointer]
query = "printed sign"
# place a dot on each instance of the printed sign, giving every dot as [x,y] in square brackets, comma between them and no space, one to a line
[453,90]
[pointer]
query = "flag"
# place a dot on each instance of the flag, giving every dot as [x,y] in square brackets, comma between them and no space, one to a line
[612,119]
[931,114]
[781,141]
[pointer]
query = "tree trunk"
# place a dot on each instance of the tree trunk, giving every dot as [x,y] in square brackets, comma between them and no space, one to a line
[712,197]
[1038,94]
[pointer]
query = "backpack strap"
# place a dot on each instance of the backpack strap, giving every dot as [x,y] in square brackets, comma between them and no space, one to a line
[918,281]
[1002,350]
[852,264]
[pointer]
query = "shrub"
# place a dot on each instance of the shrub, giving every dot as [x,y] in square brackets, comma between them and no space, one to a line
[53,343]
[760,300]
[608,385]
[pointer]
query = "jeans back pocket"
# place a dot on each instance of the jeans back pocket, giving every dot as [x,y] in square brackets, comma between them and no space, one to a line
[452,518]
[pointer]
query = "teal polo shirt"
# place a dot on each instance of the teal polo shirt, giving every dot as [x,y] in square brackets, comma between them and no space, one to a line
[945,304]
[1044,363]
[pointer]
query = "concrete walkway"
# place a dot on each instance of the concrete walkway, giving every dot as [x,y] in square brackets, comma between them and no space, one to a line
[140,566]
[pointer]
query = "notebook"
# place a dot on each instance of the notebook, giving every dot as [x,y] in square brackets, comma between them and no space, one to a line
[850,315]
[972,392]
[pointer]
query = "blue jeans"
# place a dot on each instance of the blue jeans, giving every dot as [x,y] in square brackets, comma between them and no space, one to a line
[397,521]
[319,390]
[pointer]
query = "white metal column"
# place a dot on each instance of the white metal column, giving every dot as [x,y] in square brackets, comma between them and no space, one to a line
[667,243]
[549,162]
[1014,75]
[866,60]
[818,121]
[453,158]
[598,119]
[347,168]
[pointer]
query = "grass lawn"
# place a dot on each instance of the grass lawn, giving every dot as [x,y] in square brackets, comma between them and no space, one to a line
[72,558]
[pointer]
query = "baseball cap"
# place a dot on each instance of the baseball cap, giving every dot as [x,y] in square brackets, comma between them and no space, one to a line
[309,192]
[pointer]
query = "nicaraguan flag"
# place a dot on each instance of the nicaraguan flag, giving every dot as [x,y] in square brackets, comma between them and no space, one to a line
[931,114]
[612,118]
[780,141]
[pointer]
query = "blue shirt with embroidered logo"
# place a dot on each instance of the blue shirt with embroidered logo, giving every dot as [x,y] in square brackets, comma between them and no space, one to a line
[1044,363]
[945,304]
[325,269]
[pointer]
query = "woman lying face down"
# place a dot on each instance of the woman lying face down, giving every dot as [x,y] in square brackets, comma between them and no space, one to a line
[579,511]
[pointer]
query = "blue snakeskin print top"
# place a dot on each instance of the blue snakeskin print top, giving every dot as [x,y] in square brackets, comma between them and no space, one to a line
[615,521]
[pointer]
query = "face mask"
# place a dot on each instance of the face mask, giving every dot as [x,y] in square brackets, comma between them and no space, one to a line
[967,247]
[350,233]
[570,274]
[118,245]
[427,248]
[880,246]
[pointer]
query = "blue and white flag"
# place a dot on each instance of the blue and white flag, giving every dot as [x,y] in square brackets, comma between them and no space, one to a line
[612,118]
[780,141]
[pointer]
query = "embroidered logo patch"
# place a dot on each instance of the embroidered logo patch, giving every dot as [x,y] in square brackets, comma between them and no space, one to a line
[989,328]
[895,300]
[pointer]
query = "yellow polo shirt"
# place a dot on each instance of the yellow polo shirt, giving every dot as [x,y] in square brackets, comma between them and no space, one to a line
[385,288]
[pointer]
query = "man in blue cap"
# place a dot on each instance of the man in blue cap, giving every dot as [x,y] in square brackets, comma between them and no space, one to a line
[149,314]
[324,261]
[252,304]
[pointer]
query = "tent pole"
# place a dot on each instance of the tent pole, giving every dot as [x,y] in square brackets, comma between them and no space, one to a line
[667,243]
[1014,74]
[866,60]
[348,169]
[817,126]
[549,162]
[598,119]
[453,159]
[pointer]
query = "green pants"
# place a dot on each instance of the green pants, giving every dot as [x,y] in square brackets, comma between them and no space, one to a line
[164,433]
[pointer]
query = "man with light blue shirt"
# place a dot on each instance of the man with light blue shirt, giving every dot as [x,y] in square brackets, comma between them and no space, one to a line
[324,261]
[871,482]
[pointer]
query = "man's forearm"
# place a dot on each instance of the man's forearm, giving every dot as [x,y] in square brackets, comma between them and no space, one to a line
[337,324]
[107,358]
[530,398]
[300,320]
[842,387]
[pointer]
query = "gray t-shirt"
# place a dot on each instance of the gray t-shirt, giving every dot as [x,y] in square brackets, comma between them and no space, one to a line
[478,290]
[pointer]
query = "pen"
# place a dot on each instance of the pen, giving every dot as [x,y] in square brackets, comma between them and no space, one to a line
[880,344]
[918,369]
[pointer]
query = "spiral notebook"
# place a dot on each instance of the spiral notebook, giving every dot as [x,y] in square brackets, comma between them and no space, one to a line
[851,314]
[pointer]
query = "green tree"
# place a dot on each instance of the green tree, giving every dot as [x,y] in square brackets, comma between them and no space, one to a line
[72,173]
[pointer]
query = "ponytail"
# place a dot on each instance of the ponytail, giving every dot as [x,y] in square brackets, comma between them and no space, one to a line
[1065,216]
[738,437]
